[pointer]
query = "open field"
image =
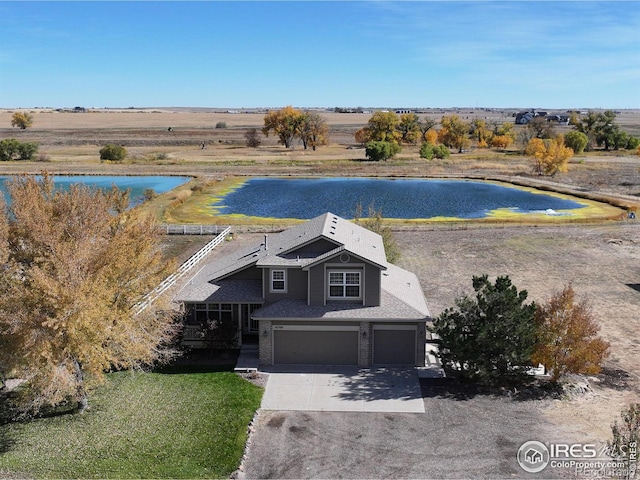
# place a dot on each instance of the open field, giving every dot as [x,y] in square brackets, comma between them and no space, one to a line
[69,142]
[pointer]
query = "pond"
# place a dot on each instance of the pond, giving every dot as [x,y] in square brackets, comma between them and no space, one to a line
[136,184]
[397,198]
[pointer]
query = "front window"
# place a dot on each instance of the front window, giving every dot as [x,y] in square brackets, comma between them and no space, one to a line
[278,280]
[344,284]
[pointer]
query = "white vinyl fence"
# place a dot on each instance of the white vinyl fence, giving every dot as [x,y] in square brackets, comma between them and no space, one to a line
[168,282]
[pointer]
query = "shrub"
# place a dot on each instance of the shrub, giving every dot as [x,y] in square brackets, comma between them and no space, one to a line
[626,437]
[113,152]
[12,149]
[567,337]
[221,125]
[441,151]
[634,143]
[27,150]
[430,151]
[149,194]
[488,338]
[252,138]
[381,150]
[426,151]
[576,141]
[9,149]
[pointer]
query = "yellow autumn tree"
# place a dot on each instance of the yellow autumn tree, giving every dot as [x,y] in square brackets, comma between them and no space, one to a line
[549,156]
[454,132]
[431,137]
[75,265]
[568,340]
[285,124]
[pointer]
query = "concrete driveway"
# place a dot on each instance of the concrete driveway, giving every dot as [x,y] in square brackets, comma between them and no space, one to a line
[343,389]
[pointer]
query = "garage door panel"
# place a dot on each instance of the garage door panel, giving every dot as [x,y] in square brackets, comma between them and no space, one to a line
[394,347]
[315,347]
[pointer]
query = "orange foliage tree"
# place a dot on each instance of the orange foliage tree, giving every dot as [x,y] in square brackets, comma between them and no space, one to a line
[567,336]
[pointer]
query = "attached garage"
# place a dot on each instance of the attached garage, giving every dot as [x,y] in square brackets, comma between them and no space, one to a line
[315,345]
[394,344]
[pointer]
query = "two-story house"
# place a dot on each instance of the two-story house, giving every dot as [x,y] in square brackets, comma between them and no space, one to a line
[321,292]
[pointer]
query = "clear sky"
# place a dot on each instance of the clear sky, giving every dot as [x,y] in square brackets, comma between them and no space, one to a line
[576,54]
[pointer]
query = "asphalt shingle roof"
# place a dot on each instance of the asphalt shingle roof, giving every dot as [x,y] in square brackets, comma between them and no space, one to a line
[402,296]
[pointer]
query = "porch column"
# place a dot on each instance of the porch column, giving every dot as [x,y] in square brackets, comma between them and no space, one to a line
[265,342]
[364,350]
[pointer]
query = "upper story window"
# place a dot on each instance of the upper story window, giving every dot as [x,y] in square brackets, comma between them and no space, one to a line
[345,284]
[278,280]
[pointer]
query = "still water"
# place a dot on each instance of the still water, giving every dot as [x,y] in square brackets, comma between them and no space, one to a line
[136,184]
[398,198]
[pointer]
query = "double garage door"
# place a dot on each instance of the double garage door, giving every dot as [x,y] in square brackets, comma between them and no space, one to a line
[339,345]
[315,345]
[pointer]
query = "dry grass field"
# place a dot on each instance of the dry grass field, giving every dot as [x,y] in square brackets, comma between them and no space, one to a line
[602,261]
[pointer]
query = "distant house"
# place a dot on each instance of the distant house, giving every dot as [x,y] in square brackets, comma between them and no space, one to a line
[522,118]
[321,292]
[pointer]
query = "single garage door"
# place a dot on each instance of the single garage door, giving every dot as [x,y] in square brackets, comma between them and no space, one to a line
[394,345]
[297,344]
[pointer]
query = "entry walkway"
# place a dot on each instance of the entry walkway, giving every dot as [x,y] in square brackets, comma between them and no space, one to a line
[343,389]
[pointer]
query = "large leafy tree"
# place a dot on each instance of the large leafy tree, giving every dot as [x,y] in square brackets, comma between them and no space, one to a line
[454,132]
[285,124]
[568,340]
[599,127]
[74,265]
[383,127]
[490,337]
[313,130]
[409,128]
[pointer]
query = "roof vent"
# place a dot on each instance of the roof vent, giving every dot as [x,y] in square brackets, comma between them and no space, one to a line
[266,245]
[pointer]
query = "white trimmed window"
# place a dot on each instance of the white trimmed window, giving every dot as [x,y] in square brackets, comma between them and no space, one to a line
[344,284]
[278,280]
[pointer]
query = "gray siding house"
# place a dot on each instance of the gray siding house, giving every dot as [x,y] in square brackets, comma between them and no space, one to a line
[320,293]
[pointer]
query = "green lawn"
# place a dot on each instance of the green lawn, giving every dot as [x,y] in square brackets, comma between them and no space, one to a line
[145,425]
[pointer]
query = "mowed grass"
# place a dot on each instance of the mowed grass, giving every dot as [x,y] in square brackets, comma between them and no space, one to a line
[142,425]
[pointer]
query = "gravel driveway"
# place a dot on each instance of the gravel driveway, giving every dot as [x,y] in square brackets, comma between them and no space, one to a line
[461,435]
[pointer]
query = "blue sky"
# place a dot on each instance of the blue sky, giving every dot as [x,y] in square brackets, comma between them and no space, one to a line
[576,54]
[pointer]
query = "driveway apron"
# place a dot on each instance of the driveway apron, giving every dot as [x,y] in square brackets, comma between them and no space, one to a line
[343,389]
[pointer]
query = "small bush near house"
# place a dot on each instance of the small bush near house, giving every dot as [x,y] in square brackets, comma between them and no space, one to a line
[221,125]
[113,152]
[488,338]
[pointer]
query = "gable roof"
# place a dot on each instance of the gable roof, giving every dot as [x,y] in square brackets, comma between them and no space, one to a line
[402,295]
[280,249]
